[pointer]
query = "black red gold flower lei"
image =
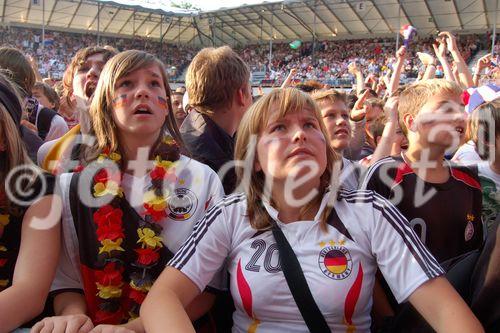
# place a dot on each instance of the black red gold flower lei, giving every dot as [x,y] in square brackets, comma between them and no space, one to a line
[110,233]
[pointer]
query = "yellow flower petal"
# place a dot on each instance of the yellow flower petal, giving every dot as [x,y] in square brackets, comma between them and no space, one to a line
[149,238]
[4,219]
[111,188]
[145,288]
[168,140]
[108,245]
[107,292]
[4,283]
[3,248]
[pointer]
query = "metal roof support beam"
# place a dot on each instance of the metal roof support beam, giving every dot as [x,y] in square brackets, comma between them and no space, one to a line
[126,22]
[181,32]
[228,34]
[157,25]
[357,15]
[52,12]
[271,24]
[3,10]
[277,17]
[458,14]
[294,15]
[28,11]
[232,26]
[142,23]
[382,16]
[336,17]
[98,10]
[484,7]
[170,25]
[320,19]
[74,14]
[254,22]
[111,20]
[431,14]
[405,13]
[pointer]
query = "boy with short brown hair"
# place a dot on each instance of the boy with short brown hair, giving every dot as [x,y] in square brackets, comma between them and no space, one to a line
[217,82]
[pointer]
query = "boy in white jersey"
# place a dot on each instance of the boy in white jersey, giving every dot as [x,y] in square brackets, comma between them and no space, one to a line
[338,248]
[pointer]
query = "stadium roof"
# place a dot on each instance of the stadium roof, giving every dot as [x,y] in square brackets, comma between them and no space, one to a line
[282,20]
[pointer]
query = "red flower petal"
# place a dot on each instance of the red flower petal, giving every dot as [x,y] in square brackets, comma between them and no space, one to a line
[155,215]
[147,256]
[157,173]
[3,262]
[110,275]
[137,296]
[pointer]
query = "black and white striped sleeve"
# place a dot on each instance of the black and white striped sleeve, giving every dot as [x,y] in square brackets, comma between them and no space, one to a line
[402,258]
[204,253]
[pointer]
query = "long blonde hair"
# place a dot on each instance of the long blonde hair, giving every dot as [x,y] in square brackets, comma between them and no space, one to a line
[286,101]
[103,126]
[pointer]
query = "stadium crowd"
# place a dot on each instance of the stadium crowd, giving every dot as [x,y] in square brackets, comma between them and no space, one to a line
[128,206]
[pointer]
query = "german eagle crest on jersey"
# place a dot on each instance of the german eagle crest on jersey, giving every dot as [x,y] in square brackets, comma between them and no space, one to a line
[335,261]
[181,204]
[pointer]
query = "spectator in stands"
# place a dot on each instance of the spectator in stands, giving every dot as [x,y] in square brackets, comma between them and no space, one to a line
[177,106]
[48,123]
[46,96]
[219,90]
[80,81]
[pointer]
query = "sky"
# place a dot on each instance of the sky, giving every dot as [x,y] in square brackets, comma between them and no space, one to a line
[206,5]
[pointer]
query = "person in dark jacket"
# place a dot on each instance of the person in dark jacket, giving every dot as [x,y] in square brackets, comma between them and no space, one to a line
[219,90]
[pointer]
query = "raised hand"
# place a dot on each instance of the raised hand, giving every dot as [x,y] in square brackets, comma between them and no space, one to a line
[358,112]
[401,53]
[353,68]
[451,40]
[426,58]
[440,50]
[483,62]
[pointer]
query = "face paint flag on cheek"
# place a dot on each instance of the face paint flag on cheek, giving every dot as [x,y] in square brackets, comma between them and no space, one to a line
[119,101]
[162,102]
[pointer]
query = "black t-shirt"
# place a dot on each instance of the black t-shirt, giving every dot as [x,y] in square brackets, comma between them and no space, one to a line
[446,217]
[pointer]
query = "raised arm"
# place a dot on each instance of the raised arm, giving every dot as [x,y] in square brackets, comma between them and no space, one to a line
[384,147]
[354,69]
[482,63]
[440,51]
[398,67]
[463,72]
[289,78]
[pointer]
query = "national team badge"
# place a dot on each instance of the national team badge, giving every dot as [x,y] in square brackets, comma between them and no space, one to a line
[181,204]
[335,262]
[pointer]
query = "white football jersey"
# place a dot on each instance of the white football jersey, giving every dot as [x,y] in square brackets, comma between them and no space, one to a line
[339,264]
